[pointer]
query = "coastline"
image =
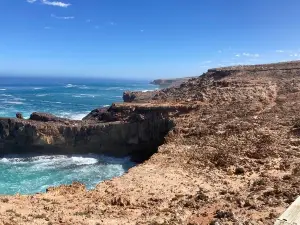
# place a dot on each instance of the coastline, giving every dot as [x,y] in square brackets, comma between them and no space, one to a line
[231,156]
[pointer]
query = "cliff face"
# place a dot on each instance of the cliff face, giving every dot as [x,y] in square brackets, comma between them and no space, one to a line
[137,136]
[232,157]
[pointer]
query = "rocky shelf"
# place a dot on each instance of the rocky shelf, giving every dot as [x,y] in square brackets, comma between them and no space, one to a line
[222,148]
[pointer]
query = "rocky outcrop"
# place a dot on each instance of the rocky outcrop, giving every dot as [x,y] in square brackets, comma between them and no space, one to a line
[138,96]
[130,134]
[102,115]
[46,117]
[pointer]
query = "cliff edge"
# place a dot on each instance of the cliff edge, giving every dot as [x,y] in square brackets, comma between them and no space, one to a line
[232,157]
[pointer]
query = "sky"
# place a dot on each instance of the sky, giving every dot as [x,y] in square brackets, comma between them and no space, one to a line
[144,38]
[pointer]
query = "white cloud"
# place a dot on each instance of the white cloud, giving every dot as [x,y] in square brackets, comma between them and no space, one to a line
[52,3]
[47,28]
[63,17]
[112,23]
[251,55]
[279,51]
[237,55]
[59,4]
[142,31]
[295,55]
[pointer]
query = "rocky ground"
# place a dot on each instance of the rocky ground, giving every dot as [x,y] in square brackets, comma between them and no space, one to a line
[233,157]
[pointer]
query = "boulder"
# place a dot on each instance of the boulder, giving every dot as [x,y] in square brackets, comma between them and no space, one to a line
[46,117]
[101,114]
[19,116]
[129,96]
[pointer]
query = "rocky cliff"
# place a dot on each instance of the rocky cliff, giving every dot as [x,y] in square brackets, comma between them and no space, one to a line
[119,131]
[232,157]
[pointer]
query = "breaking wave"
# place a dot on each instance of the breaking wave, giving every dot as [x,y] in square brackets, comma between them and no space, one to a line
[84,96]
[28,174]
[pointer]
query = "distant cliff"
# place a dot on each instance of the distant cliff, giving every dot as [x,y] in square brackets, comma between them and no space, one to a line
[166,83]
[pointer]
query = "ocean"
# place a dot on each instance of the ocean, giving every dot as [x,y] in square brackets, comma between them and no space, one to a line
[71,98]
[65,97]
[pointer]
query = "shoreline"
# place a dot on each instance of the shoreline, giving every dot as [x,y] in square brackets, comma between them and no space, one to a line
[230,156]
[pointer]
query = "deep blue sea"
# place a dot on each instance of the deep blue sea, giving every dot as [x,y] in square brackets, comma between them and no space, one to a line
[65,97]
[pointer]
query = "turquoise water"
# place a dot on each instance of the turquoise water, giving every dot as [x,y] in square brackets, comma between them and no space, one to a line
[28,174]
[70,98]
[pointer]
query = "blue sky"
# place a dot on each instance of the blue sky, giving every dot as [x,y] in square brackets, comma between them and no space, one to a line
[144,38]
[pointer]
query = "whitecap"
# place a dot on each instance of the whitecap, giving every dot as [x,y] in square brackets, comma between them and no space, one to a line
[37,88]
[84,96]
[146,90]
[41,95]
[5,95]
[14,102]
[73,116]
[79,116]
[70,86]
[4,160]
[84,160]
[2,89]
